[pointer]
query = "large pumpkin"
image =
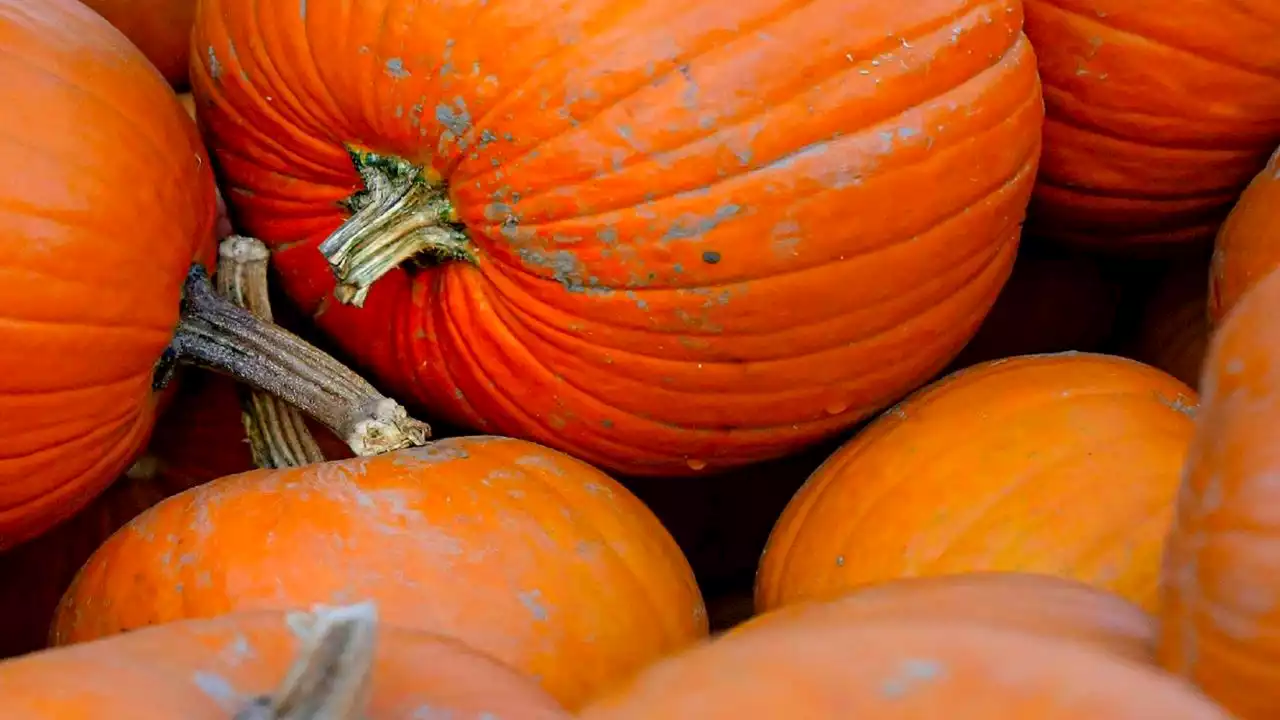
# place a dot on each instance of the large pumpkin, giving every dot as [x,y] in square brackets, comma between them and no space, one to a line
[1039,604]
[517,550]
[1247,248]
[818,665]
[1158,113]
[665,237]
[160,28]
[333,664]
[1058,464]
[107,200]
[1221,619]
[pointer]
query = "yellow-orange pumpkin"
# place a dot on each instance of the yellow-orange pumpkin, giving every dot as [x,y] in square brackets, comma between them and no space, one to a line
[1058,464]
[1247,249]
[517,550]
[1220,624]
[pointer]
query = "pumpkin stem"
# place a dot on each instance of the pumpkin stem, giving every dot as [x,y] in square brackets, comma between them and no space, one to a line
[216,334]
[397,216]
[278,436]
[330,678]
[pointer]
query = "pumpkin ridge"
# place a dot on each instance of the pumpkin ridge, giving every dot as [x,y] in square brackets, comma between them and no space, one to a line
[651,154]
[1237,64]
[1052,96]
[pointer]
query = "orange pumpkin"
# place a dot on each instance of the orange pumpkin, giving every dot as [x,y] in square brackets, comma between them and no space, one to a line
[817,665]
[1065,465]
[519,551]
[664,237]
[160,28]
[1220,625]
[1174,329]
[1038,604]
[1054,301]
[333,664]
[1246,249]
[1157,115]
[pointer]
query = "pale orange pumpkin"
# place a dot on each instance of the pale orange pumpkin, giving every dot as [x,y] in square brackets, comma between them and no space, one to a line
[1220,624]
[1246,249]
[817,666]
[1059,464]
[517,550]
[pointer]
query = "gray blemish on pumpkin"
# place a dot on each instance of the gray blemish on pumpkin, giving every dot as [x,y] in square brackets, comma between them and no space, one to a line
[487,138]
[839,561]
[215,67]
[302,9]
[911,674]
[218,689]
[456,118]
[565,267]
[688,227]
[395,68]
[541,462]
[440,451]
[689,96]
[640,302]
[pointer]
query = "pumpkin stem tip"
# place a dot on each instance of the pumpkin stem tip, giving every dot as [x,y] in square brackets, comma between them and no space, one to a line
[397,217]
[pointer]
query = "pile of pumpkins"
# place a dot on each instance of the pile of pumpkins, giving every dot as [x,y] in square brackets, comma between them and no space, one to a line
[650,269]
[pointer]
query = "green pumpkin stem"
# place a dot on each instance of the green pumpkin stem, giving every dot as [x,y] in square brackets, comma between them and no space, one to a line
[330,679]
[278,435]
[215,333]
[398,216]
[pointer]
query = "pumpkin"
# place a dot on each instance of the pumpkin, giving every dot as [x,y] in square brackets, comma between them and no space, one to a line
[108,202]
[1174,326]
[666,238]
[517,550]
[1157,115]
[1246,249]
[1038,604]
[1054,301]
[822,665]
[332,663]
[161,29]
[1220,620]
[1064,465]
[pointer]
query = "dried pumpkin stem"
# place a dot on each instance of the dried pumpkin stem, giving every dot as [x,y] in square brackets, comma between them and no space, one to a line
[214,333]
[398,215]
[278,435]
[330,679]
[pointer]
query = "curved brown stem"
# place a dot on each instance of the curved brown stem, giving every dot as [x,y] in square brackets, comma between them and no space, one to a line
[278,435]
[216,334]
[399,215]
[330,678]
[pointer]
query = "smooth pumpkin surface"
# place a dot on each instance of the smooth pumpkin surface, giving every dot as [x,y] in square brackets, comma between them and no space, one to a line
[517,550]
[1157,114]
[197,669]
[1247,248]
[160,28]
[1042,605]
[106,198]
[687,246]
[818,666]
[1173,334]
[1055,301]
[1064,465]
[1220,625]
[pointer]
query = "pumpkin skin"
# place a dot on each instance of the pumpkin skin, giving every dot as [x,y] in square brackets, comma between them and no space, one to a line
[104,217]
[1246,249]
[815,665]
[1055,301]
[517,550]
[161,29]
[1222,576]
[1043,605]
[148,675]
[1174,331]
[619,169]
[1063,465]
[1157,115]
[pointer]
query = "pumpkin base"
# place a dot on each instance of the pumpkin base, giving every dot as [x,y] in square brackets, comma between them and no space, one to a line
[399,215]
